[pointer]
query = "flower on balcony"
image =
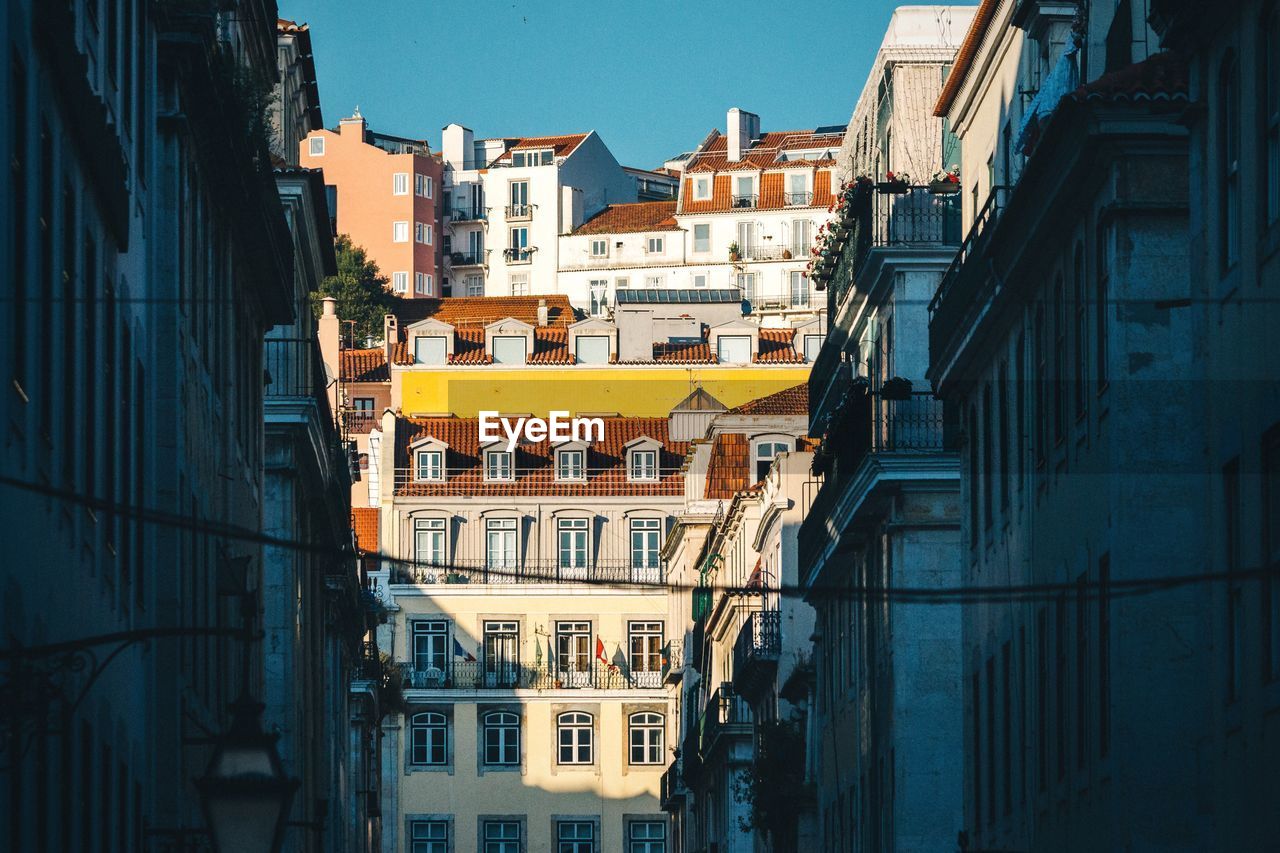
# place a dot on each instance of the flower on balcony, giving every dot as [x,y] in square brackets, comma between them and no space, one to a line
[947,176]
[897,177]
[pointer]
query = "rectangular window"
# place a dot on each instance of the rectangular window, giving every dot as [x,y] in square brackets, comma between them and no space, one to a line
[501,651]
[645,541]
[430,644]
[702,237]
[800,296]
[518,250]
[700,280]
[621,283]
[744,191]
[573,660]
[591,349]
[655,245]
[812,346]
[400,183]
[573,539]
[599,289]
[423,185]
[801,237]
[429,836]
[649,836]
[501,739]
[430,465]
[400,282]
[474,285]
[797,188]
[400,232]
[701,189]
[653,281]
[746,282]
[317,146]
[429,739]
[644,465]
[430,350]
[510,349]
[599,248]
[518,196]
[520,284]
[429,533]
[569,465]
[502,836]
[644,642]
[423,232]
[422,283]
[497,465]
[575,837]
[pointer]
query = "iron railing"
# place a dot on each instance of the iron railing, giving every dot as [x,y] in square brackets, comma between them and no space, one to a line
[541,480]
[673,662]
[518,211]
[468,214]
[671,786]
[520,256]
[359,420]
[513,675]
[958,292]
[798,199]
[744,200]
[640,570]
[726,713]
[466,259]
[760,639]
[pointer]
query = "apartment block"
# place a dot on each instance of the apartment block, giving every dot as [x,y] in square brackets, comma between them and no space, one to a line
[385,194]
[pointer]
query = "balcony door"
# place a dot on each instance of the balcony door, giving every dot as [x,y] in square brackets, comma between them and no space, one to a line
[430,653]
[572,534]
[746,238]
[501,654]
[645,641]
[500,549]
[573,653]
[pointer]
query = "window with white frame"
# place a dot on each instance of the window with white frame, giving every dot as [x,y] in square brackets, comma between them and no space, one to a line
[575,836]
[591,349]
[518,194]
[646,836]
[520,284]
[799,288]
[429,836]
[519,247]
[744,192]
[734,349]
[574,738]
[474,285]
[423,232]
[430,644]
[423,185]
[501,535]
[400,281]
[431,349]
[502,836]
[498,465]
[599,248]
[422,283]
[400,183]
[700,279]
[701,188]
[429,739]
[644,465]
[510,349]
[652,281]
[317,146]
[797,188]
[801,237]
[746,282]
[501,739]
[766,451]
[569,465]
[702,237]
[599,288]
[644,640]
[812,346]
[655,245]
[573,535]
[400,232]
[646,534]
[646,737]
[429,465]
[429,541]
[621,282]
[573,652]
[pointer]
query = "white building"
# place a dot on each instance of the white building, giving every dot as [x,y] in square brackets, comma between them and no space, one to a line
[748,208]
[509,199]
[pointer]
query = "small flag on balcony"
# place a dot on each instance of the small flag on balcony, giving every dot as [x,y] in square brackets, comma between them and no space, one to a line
[460,652]
[600,651]
[620,664]
[665,651]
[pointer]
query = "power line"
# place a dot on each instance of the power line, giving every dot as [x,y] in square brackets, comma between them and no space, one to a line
[987,594]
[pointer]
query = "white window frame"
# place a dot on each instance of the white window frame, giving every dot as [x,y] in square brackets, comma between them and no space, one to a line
[423,233]
[622,282]
[655,245]
[474,285]
[702,188]
[400,231]
[653,839]
[429,836]
[702,245]
[314,149]
[400,183]
[434,467]
[638,470]
[400,281]
[646,738]
[645,541]
[430,540]
[439,343]
[805,344]
[699,279]
[599,248]
[506,726]
[423,185]
[580,728]
[495,470]
[734,340]
[428,723]
[503,836]
[573,543]
[423,284]
[520,284]
[567,470]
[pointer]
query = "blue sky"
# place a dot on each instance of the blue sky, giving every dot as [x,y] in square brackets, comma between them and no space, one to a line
[651,76]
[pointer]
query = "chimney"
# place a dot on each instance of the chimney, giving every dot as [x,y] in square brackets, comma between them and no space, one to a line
[352,126]
[390,336]
[457,146]
[741,127]
[542,312]
[329,336]
[571,209]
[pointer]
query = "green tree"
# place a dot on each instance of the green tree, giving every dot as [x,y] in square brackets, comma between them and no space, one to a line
[360,289]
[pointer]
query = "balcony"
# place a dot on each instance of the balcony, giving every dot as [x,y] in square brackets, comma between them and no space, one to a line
[959,293]
[359,421]
[671,788]
[866,426]
[798,199]
[466,259]
[725,715]
[744,200]
[794,299]
[756,652]
[518,211]
[517,571]
[521,255]
[673,663]
[468,214]
[514,675]
[534,480]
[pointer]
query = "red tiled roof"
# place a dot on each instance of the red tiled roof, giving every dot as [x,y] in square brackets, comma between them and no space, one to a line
[729,470]
[364,521]
[629,218]
[777,347]
[765,152]
[1161,76]
[965,55]
[772,193]
[535,463]
[563,145]
[788,401]
[482,310]
[550,346]
[364,365]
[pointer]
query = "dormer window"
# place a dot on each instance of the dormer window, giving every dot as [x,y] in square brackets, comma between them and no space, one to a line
[734,349]
[766,452]
[701,189]
[570,465]
[429,350]
[499,466]
[643,465]
[509,350]
[429,466]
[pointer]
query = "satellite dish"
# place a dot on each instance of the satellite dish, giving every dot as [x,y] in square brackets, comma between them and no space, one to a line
[746,307]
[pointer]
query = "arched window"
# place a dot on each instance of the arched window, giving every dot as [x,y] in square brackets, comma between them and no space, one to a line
[1228,132]
[501,738]
[574,738]
[429,732]
[766,451]
[646,738]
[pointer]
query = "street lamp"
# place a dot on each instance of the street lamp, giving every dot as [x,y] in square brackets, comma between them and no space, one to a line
[244,792]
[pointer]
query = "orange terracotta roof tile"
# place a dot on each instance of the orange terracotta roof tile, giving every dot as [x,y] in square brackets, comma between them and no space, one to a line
[364,365]
[767,152]
[729,469]
[563,145]
[550,346]
[772,194]
[535,463]
[630,218]
[1161,76]
[364,521]
[482,310]
[788,401]
[965,55]
[777,347]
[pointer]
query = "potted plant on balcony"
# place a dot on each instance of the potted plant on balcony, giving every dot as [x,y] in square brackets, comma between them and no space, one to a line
[945,181]
[735,253]
[457,257]
[895,183]
[786,254]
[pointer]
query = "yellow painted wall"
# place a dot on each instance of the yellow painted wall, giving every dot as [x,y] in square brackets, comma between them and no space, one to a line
[634,392]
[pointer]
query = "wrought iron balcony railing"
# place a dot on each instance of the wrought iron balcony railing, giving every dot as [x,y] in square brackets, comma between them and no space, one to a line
[531,480]
[744,200]
[468,214]
[960,290]
[359,420]
[798,199]
[466,259]
[726,713]
[516,675]
[673,663]
[519,211]
[519,255]
[642,570]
